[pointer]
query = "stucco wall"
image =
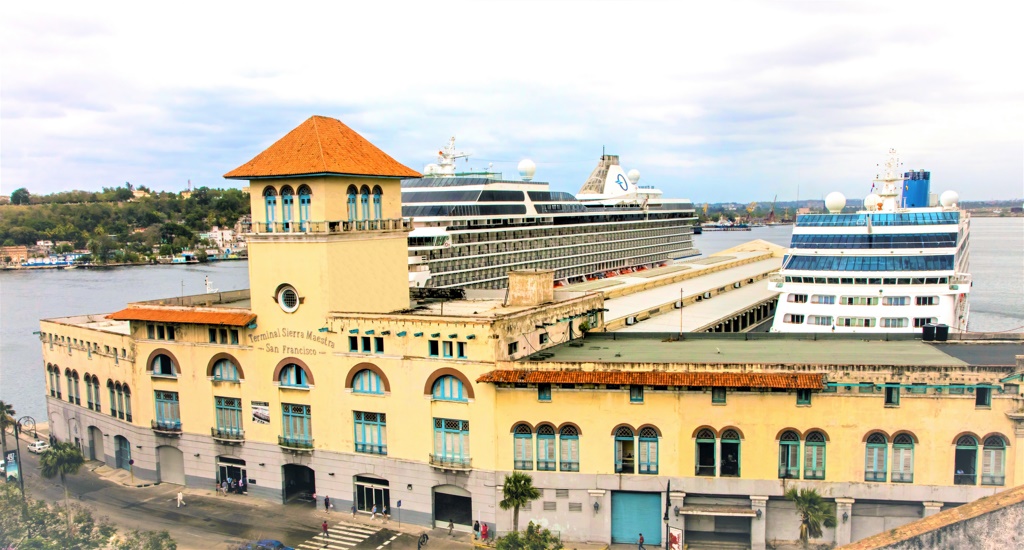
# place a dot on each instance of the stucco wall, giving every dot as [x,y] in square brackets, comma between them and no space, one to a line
[1003,528]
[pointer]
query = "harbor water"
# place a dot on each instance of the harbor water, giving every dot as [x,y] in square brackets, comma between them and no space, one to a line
[997,297]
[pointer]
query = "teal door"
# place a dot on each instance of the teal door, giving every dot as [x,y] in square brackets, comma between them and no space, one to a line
[635,513]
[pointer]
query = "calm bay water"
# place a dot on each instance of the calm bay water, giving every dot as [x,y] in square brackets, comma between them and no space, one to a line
[997,299]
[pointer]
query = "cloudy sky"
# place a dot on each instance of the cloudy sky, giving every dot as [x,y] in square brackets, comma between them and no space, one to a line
[713,101]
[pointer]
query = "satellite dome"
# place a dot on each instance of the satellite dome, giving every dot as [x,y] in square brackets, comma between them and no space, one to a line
[430,169]
[634,176]
[872,201]
[834,202]
[526,169]
[949,198]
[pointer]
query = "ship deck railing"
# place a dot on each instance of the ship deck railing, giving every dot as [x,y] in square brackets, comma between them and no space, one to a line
[328,227]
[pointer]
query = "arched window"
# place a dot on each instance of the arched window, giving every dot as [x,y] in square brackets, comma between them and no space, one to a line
[367,381]
[71,388]
[648,457]
[377,207]
[730,462]
[522,447]
[305,200]
[287,200]
[352,203]
[449,388]
[113,399]
[705,460]
[54,382]
[88,391]
[789,455]
[624,443]
[364,199]
[78,389]
[993,461]
[127,405]
[270,201]
[814,456]
[966,461]
[875,455]
[546,448]
[120,400]
[902,459]
[162,365]
[225,371]
[569,439]
[293,376]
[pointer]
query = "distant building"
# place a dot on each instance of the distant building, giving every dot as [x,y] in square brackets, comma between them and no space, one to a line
[803,210]
[17,254]
[138,194]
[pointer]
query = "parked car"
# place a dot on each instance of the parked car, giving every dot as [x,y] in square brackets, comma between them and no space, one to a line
[265,544]
[38,447]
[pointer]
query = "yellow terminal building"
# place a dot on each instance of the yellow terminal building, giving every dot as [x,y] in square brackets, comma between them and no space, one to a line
[326,378]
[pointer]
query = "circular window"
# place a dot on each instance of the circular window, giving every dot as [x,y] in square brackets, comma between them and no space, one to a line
[288,299]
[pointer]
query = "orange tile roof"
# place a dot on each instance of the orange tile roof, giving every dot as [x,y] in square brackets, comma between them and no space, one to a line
[322,145]
[185,316]
[655,378]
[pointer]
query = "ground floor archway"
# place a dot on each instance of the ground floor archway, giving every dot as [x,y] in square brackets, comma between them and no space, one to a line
[452,503]
[170,466]
[231,470]
[299,483]
[96,444]
[372,491]
[122,453]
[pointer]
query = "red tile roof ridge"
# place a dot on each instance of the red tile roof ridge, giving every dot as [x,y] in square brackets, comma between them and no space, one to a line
[185,315]
[319,142]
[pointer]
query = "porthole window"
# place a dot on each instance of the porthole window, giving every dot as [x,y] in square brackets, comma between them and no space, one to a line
[288,298]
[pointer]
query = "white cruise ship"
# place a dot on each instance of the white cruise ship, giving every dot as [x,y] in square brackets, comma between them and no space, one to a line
[898,265]
[471,228]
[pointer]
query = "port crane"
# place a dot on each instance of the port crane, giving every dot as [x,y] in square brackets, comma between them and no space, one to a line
[770,218]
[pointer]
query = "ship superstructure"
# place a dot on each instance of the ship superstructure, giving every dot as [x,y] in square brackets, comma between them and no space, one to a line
[470,228]
[898,265]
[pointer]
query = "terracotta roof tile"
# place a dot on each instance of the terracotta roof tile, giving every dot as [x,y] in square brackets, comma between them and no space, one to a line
[322,145]
[655,378]
[185,316]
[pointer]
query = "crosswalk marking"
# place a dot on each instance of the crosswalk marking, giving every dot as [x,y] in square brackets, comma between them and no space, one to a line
[342,537]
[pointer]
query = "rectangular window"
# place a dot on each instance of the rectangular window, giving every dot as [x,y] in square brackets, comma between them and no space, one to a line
[927,300]
[819,320]
[956,390]
[170,332]
[168,415]
[874,462]
[892,395]
[213,335]
[435,348]
[544,392]
[869,388]
[797,298]
[451,441]
[895,300]
[160,333]
[983,397]
[895,322]
[234,336]
[902,464]
[150,332]
[224,336]
[922,321]
[513,348]
[544,338]
[918,388]
[229,415]
[794,319]
[523,450]
[378,345]
[718,395]
[371,433]
[448,348]
[636,394]
[814,461]
[569,454]
[823,299]
[366,344]
[296,428]
[353,343]
[992,466]
[546,453]
[460,348]
[803,397]
[859,300]
[855,322]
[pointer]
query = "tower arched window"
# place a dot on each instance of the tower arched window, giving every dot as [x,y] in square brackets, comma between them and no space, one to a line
[377,206]
[88,391]
[305,200]
[993,461]
[270,203]
[902,459]
[625,444]
[113,398]
[225,371]
[814,456]
[78,391]
[449,388]
[126,392]
[875,456]
[569,441]
[364,199]
[71,388]
[287,202]
[648,455]
[705,449]
[352,203]
[96,393]
[966,461]
[522,447]
[730,462]
[546,448]
[293,376]
[367,381]
[789,455]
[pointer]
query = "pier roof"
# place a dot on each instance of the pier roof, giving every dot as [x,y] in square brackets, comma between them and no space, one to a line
[196,316]
[322,146]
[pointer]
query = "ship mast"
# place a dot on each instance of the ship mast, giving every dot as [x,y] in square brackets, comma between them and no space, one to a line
[889,184]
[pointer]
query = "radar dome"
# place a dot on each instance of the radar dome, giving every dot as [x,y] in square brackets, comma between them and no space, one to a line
[834,202]
[634,176]
[872,201]
[526,169]
[430,169]
[949,198]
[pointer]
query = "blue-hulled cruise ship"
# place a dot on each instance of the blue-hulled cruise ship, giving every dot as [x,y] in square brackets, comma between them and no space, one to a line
[898,265]
[471,228]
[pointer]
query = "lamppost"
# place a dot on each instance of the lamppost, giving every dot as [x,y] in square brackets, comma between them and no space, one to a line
[668,503]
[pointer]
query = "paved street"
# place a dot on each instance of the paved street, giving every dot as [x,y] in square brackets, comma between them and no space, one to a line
[211,521]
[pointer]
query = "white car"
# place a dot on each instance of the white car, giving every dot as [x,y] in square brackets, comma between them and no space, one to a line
[38,447]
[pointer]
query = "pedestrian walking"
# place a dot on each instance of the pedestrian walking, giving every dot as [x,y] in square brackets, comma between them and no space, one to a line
[241,486]
[373,512]
[451,527]
[324,527]
[327,504]
[353,510]
[640,543]
[476,530]
[181,500]
[384,517]
[224,487]
[483,531]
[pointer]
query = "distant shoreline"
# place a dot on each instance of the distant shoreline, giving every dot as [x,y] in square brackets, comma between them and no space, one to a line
[104,266]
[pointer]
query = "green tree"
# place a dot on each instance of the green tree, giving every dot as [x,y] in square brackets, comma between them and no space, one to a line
[20,196]
[6,419]
[534,538]
[62,459]
[517,490]
[814,512]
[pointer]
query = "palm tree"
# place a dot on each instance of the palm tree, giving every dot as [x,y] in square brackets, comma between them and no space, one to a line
[61,459]
[6,419]
[518,490]
[814,512]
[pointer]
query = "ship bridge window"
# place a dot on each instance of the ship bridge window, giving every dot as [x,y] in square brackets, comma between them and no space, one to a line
[927,300]
[797,298]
